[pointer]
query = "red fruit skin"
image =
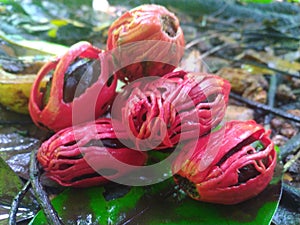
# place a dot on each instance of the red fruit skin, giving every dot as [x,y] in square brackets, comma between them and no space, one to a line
[68,155]
[57,114]
[207,174]
[175,108]
[128,36]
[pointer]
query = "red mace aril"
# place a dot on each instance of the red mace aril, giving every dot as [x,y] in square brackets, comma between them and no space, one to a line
[77,156]
[145,41]
[177,107]
[228,166]
[79,76]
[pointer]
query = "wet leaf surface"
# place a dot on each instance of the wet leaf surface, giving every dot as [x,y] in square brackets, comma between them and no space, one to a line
[160,203]
[10,184]
[15,149]
[288,212]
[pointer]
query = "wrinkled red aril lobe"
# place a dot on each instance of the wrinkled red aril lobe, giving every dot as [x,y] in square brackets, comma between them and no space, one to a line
[79,76]
[146,41]
[228,166]
[176,107]
[68,155]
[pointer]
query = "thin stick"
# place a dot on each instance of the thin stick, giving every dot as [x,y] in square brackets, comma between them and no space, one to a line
[291,146]
[41,195]
[213,50]
[200,39]
[266,108]
[288,164]
[271,98]
[16,202]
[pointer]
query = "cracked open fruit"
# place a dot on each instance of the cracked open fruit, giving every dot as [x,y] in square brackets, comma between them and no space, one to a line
[228,166]
[79,76]
[81,156]
[145,41]
[177,107]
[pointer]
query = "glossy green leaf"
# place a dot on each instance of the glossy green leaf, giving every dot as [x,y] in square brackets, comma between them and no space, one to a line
[161,203]
[100,205]
[179,209]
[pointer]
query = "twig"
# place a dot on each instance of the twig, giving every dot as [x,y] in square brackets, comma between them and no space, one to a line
[41,195]
[259,33]
[266,108]
[291,146]
[220,11]
[288,164]
[271,97]
[200,39]
[129,220]
[16,202]
[213,50]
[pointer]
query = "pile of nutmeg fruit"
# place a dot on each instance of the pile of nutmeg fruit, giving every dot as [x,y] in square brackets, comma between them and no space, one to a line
[102,131]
